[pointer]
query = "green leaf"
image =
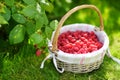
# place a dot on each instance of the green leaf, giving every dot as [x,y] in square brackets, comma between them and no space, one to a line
[48,31]
[9,2]
[43,43]
[38,8]
[35,38]
[52,0]
[2,20]
[30,1]
[47,6]
[2,6]
[53,24]
[30,11]
[41,19]
[30,27]
[19,18]
[14,9]
[17,34]
[39,22]
[41,14]
[6,14]
[45,19]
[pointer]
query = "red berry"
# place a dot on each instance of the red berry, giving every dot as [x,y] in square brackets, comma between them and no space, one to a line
[82,38]
[85,35]
[92,33]
[72,40]
[76,49]
[68,45]
[38,52]
[78,42]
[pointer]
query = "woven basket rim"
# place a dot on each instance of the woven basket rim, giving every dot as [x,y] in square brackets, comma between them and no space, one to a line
[88,55]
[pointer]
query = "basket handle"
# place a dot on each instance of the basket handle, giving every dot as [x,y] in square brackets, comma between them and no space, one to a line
[55,37]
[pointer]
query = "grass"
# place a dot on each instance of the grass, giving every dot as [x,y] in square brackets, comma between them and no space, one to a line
[26,67]
[25,64]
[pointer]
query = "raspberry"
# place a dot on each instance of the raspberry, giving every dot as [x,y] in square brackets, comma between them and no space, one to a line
[79,42]
[38,52]
[68,46]
[76,49]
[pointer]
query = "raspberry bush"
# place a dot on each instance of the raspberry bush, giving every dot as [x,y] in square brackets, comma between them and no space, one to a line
[25,22]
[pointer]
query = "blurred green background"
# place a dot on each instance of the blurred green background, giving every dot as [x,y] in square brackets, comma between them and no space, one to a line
[24,64]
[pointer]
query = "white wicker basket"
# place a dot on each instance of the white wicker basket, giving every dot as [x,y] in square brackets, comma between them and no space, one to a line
[78,63]
[82,63]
